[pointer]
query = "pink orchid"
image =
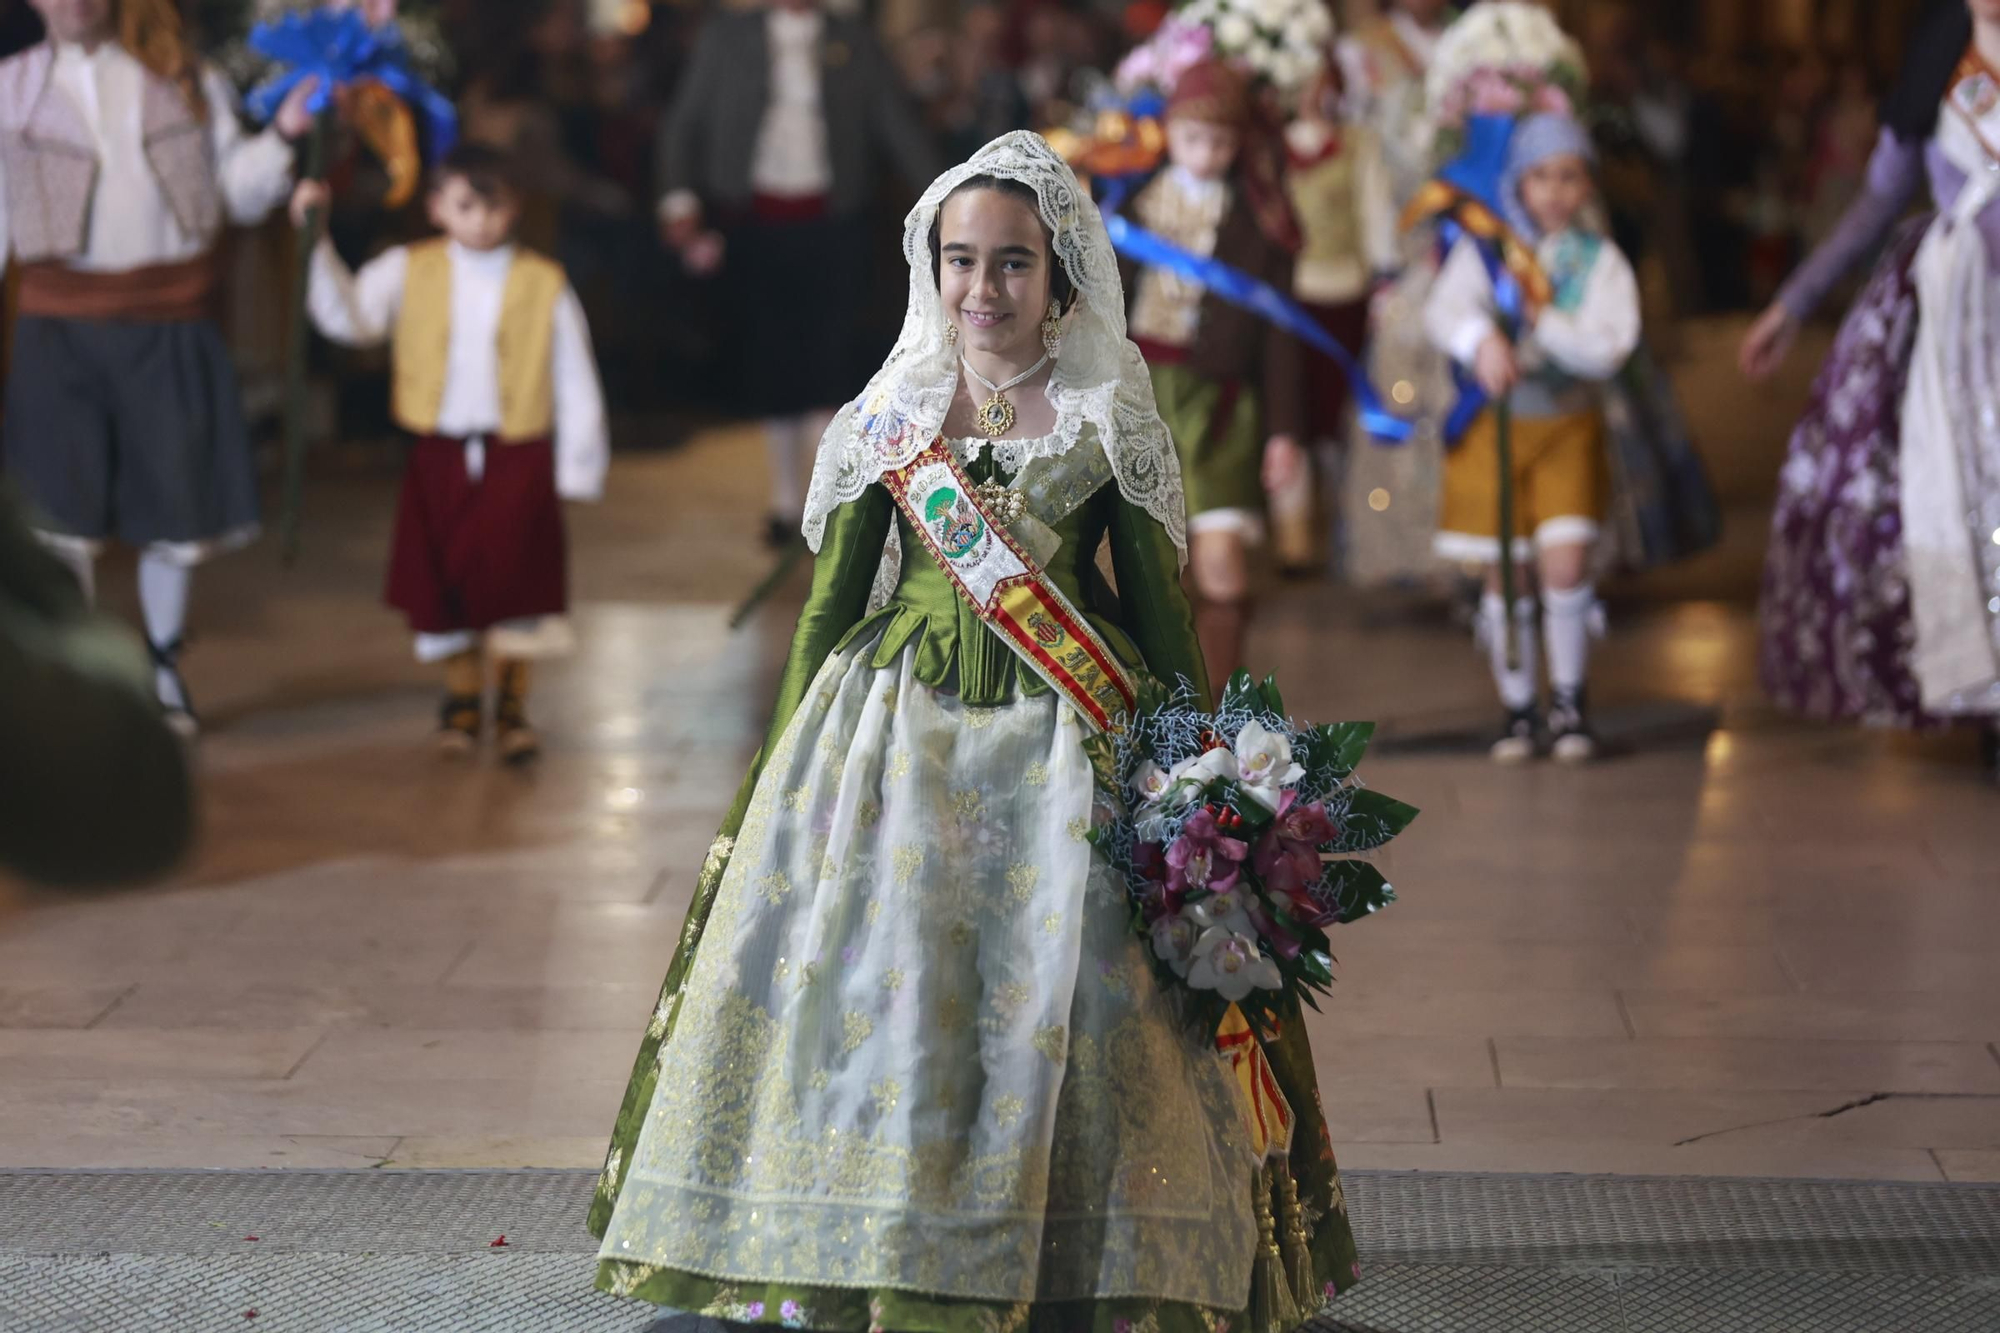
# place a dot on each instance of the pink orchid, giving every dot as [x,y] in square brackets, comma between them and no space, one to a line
[1287,856]
[1309,824]
[1202,859]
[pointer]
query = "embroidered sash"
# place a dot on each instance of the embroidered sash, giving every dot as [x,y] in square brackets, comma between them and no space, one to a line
[1007,588]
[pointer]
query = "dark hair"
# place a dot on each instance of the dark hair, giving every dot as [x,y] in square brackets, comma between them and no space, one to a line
[1061,290]
[486,169]
[1937,44]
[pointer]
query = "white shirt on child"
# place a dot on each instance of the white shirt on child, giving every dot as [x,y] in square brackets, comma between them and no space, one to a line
[1591,342]
[360,310]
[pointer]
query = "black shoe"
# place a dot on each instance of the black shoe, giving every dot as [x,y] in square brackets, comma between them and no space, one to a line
[179,710]
[459,723]
[1571,739]
[1518,734]
[779,532]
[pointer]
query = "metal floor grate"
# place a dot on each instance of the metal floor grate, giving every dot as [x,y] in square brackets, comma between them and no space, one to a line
[374,1251]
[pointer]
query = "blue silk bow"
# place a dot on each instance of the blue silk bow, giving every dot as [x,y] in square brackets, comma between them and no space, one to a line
[337,47]
[1261,299]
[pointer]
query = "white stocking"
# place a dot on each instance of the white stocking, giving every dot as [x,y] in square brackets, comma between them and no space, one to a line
[1567,615]
[1517,684]
[164,584]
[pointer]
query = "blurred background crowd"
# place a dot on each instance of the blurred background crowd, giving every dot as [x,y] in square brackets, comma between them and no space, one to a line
[1732,134]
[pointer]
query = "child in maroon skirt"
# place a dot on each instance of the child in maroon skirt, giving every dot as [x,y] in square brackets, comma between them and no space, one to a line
[493,376]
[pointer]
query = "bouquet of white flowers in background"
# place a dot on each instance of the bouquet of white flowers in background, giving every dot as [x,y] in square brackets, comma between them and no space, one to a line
[1238,835]
[1503,58]
[1283,42]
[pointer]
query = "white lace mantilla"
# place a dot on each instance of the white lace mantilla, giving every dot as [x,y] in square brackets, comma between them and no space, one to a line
[1099,378]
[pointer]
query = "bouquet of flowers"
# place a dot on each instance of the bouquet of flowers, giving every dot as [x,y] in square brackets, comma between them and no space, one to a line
[1282,41]
[1237,835]
[1503,58]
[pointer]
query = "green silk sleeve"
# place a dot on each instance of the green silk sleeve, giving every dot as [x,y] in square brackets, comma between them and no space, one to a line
[1152,605]
[842,577]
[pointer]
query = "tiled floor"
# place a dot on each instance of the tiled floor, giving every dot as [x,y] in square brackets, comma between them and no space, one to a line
[1747,946]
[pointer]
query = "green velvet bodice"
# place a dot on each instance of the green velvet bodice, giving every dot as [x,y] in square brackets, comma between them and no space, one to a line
[1146,620]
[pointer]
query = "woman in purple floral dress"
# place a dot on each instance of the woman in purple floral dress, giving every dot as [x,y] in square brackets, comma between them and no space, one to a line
[1882,587]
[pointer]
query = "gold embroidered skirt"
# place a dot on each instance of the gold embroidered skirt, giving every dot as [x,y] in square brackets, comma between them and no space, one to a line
[920,1049]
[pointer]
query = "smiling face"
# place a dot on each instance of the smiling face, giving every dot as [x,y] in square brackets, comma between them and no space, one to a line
[993,273]
[81,21]
[1555,190]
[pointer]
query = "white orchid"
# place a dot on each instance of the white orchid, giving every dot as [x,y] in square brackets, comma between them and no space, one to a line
[1231,965]
[1151,782]
[1264,764]
[1223,911]
[1173,942]
[1208,766]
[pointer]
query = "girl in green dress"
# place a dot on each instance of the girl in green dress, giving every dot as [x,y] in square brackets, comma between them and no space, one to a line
[911,1070]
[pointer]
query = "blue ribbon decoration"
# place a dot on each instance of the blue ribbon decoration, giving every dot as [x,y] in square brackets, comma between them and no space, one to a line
[1260,298]
[1509,303]
[337,47]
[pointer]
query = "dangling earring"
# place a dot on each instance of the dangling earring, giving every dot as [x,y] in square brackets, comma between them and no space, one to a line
[950,334]
[1052,329]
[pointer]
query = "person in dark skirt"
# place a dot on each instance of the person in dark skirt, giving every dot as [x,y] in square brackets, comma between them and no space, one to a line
[768,162]
[493,376]
[123,160]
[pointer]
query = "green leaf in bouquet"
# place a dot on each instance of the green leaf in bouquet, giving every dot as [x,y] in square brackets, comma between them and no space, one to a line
[1240,690]
[1317,966]
[1151,696]
[1359,888]
[1268,691]
[1341,744]
[1256,817]
[1372,820]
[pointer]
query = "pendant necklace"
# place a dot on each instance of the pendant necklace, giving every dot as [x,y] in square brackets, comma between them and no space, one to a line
[996,415]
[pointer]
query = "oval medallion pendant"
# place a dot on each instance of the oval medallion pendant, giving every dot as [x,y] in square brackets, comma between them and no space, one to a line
[996,417]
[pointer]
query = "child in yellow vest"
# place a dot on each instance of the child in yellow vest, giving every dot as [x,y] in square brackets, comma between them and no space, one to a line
[1550,379]
[493,375]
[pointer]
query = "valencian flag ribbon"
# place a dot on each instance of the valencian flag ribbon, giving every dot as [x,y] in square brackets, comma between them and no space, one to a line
[1259,298]
[1266,1112]
[1006,588]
